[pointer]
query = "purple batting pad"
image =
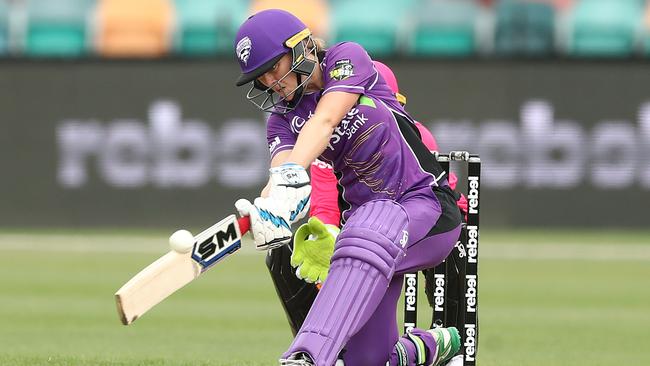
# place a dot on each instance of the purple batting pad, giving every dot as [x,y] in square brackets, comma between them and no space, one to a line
[373,343]
[365,256]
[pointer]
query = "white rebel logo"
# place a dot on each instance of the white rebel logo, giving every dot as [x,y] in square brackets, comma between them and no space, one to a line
[470,342]
[439,292]
[472,244]
[244,49]
[470,293]
[411,291]
[410,298]
[472,195]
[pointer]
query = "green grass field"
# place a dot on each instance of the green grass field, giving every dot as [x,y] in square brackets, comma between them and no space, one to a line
[566,298]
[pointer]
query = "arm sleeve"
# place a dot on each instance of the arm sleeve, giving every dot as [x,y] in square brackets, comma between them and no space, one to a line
[348,68]
[324,196]
[279,135]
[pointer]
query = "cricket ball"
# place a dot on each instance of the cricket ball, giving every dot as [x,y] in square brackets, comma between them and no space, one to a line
[181,241]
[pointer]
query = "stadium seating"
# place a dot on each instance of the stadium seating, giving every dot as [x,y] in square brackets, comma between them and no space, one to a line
[524,28]
[645,34]
[206,27]
[418,28]
[604,27]
[4,28]
[373,24]
[314,13]
[57,28]
[128,28]
[443,28]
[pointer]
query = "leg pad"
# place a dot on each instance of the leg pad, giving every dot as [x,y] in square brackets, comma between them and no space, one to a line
[365,256]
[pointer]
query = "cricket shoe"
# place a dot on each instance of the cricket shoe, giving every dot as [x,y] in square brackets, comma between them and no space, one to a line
[447,344]
[455,361]
[297,359]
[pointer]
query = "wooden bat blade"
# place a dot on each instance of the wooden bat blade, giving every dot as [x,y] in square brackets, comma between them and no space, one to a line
[153,284]
[174,270]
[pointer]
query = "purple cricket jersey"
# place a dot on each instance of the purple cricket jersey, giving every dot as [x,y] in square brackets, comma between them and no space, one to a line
[370,155]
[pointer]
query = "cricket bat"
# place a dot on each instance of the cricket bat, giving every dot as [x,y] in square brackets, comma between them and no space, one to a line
[174,270]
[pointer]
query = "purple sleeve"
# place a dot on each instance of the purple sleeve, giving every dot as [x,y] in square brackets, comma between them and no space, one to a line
[348,68]
[279,135]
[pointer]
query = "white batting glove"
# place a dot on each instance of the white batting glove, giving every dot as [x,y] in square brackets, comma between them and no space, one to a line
[290,188]
[270,227]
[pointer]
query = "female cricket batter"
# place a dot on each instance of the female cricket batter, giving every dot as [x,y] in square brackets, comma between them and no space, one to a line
[331,104]
[313,242]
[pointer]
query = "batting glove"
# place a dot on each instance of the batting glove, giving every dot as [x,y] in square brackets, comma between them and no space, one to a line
[313,246]
[291,190]
[270,227]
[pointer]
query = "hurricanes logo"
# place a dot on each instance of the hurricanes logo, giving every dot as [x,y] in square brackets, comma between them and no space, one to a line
[342,70]
[244,49]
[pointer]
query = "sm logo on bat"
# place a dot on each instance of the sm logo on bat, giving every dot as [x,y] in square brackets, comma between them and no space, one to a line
[223,242]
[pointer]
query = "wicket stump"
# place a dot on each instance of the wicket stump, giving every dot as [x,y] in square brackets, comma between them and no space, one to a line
[452,286]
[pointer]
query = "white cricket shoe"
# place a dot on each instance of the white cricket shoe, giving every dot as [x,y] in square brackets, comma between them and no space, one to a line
[297,359]
[455,361]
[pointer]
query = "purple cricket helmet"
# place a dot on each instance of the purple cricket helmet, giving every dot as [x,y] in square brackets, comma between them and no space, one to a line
[263,39]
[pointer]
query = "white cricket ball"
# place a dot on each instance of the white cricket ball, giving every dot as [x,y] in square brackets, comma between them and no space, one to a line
[181,241]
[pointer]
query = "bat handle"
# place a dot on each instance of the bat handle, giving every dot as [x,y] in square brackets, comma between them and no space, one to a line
[244,224]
